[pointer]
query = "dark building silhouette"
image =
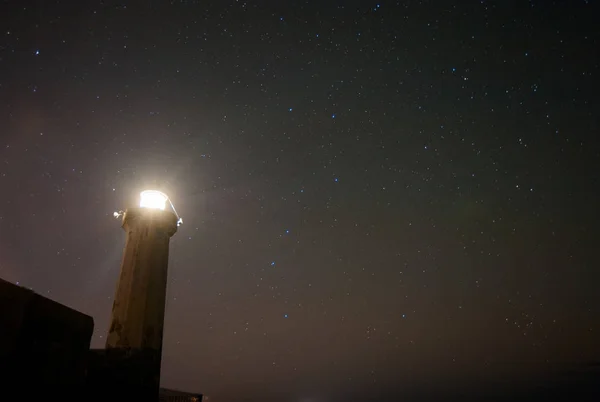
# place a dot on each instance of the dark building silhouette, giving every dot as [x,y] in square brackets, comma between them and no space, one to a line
[169,395]
[42,342]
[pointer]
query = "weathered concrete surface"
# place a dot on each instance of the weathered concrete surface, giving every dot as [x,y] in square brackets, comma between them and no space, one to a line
[133,353]
[139,305]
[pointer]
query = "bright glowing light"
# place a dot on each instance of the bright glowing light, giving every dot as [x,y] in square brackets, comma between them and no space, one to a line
[153,199]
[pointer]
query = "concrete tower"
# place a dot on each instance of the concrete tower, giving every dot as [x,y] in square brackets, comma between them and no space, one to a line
[134,343]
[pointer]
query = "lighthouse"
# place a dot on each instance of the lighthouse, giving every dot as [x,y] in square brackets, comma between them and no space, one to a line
[136,326]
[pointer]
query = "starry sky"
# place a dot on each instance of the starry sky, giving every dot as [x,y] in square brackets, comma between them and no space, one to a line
[379,198]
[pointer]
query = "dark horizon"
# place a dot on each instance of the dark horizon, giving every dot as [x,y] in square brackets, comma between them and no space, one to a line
[578,384]
[374,194]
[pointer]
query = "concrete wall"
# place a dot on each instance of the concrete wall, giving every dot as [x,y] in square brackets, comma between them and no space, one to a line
[42,342]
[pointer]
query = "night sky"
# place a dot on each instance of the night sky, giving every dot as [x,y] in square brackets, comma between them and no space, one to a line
[378,198]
